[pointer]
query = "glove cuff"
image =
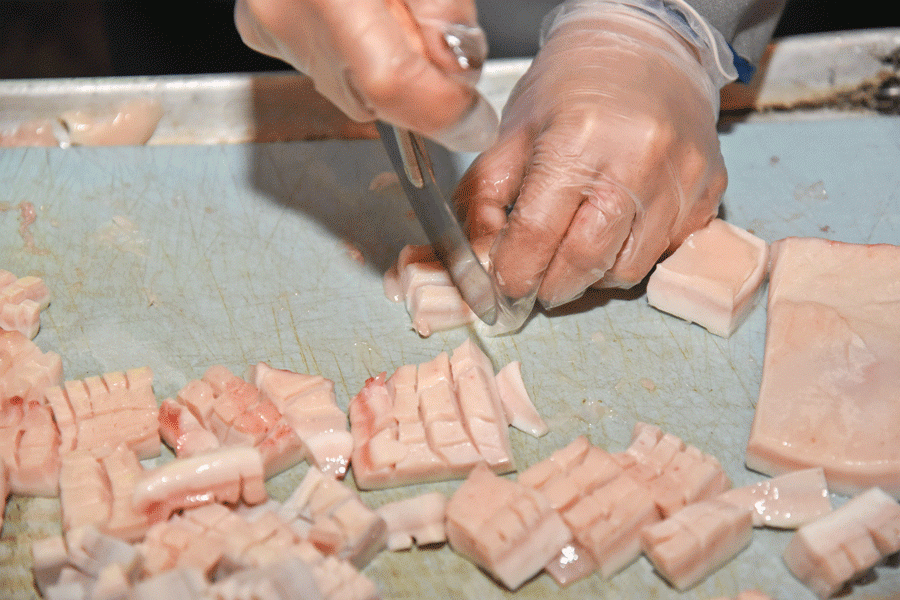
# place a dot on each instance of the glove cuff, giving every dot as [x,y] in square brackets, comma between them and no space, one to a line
[715,54]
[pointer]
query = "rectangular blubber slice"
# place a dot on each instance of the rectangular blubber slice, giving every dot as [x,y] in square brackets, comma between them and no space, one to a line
[829,388]
[504,527]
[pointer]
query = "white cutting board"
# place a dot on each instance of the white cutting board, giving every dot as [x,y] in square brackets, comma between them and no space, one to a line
[179,258]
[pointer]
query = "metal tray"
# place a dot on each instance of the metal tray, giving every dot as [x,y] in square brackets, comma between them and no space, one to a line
[190,252]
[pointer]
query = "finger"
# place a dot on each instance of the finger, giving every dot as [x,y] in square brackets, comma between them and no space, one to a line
[706,206]
[285,29]
[552,191]
[684,203]
[447,35]
[367,57]
[399,83]
[388,68]
[453,39]
[651,234]
[252,33]
[591,244]
[490,185]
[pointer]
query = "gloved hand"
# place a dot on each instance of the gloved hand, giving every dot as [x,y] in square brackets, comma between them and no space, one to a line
[413,64]
[608,155]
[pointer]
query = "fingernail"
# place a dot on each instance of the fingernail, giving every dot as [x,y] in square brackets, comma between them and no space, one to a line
[468,45]
[474,132]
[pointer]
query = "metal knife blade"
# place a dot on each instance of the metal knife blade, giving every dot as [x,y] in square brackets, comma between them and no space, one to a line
[412,162]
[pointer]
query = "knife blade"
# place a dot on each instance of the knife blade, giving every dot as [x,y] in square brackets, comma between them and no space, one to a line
[412,162]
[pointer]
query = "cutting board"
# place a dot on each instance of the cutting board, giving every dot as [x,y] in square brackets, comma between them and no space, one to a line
[182,257]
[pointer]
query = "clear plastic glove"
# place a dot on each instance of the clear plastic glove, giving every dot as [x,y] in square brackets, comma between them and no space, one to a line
[413,64]
[608,156]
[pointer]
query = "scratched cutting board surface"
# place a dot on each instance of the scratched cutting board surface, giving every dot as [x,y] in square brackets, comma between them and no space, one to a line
[179,258]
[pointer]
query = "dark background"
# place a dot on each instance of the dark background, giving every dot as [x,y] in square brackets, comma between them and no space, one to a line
[89,38]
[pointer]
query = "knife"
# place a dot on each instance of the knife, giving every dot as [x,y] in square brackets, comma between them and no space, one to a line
[412,162]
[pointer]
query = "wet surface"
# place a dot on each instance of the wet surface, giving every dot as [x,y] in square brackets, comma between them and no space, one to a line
[178,258]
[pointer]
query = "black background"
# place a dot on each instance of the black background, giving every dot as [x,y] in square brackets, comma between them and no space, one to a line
[88,38]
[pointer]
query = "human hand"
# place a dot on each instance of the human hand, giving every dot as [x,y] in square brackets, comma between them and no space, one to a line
[608,155]
[413,64]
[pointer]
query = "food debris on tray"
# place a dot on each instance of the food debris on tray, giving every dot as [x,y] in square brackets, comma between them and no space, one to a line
[785,501]
[203,525]
[21,301]
[128,123]
[637,364]
[415,520]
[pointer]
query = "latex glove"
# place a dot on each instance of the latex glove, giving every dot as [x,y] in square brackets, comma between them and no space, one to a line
[608,155]
[413,64]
